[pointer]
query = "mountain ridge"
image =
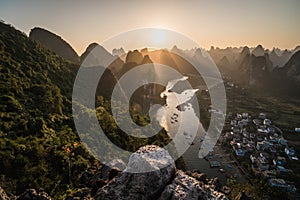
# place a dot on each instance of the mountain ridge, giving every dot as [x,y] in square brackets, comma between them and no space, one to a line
[55,43]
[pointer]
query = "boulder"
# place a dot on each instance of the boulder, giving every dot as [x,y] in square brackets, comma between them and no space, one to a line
[182,187]
[160,181]
[188,188]
[132,184]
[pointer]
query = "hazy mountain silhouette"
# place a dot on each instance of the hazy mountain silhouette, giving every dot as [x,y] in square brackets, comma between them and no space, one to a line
[289,75]
[118,52]
[231,53]
[134,56]
[275,58]
[297,48]
[259,51]
[292,68]
[224,63]
[96,55]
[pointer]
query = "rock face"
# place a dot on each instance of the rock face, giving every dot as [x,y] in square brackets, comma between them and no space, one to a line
[54,43]
[149,185]
[164,183]
[187,187]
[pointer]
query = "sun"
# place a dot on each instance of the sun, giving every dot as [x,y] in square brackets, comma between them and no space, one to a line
[153,38]
[158,37]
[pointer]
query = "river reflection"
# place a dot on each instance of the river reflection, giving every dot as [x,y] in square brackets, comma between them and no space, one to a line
[179,119]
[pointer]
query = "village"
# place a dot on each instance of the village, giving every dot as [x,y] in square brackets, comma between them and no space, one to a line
[256,141]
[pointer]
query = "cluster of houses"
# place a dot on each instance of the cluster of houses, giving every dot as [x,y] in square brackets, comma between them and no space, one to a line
[256,140]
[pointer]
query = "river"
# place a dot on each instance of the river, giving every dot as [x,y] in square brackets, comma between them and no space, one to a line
[190,127]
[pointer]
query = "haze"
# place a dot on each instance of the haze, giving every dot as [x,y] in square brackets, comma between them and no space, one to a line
[210,23]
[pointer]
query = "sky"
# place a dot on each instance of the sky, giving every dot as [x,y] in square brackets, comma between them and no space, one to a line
[219,23]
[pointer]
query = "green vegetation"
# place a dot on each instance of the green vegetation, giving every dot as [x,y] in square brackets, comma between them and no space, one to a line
[257,189]
[284,114]
[39,147]
[283,110]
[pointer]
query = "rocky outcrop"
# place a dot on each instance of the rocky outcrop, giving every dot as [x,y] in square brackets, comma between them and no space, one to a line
[187,187]
[54,43]
[150,174]
[132,184]
[3,195]
[32,194]
[164,182]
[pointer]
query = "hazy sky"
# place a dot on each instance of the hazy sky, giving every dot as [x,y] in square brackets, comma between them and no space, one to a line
[219,23]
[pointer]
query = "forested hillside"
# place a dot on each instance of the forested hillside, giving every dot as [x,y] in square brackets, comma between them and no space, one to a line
[38,146]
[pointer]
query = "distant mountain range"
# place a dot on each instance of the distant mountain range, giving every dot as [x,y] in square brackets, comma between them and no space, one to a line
[259,67]
[251,67]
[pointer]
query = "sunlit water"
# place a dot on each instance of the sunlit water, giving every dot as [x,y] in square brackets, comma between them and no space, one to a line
[185,128]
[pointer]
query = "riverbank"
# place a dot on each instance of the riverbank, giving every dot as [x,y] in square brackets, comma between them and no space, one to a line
[228,167]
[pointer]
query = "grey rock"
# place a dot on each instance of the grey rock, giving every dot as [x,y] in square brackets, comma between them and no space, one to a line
[149,185]
[163,183]
[188,188]
[32,194]
[118,164]
[3,195]
[182,187]
[198,175]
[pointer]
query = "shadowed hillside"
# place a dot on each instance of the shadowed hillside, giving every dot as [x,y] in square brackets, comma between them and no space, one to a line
[55,43]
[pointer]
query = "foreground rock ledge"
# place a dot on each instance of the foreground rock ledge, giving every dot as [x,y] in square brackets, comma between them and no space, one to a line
[164,182]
